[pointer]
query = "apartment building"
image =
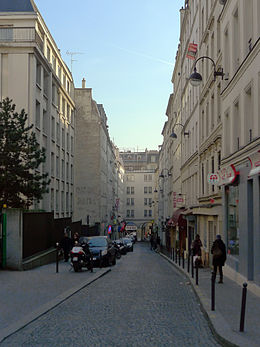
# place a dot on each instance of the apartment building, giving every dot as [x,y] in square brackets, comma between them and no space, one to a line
[35,77]
[140,183]
[215,130]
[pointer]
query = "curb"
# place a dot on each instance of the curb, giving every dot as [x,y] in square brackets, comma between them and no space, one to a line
[13,328]
[211,316]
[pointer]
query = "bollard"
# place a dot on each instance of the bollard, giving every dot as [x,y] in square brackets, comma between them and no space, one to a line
[183,260]
[188,268]
[197,273]
[213,281]
[179,254]
[100,259]
[176,253]
[57,257]
[173,254]
[192,267]
[91,262]
[243,307]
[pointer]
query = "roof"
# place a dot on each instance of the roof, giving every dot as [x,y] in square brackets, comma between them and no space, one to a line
[16,6]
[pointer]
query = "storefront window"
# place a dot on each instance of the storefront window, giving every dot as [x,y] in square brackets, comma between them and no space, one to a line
[233,219]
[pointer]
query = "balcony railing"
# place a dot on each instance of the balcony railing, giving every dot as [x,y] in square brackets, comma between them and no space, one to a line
[20,35]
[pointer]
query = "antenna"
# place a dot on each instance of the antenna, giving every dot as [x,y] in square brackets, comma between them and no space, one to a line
[71,58]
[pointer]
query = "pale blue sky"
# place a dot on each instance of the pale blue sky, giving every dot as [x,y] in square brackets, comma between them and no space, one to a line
[129,51]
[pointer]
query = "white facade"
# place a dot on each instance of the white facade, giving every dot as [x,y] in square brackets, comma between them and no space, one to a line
[35,77]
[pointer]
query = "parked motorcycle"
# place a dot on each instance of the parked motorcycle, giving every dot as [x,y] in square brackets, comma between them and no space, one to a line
[118,251]
[80,258]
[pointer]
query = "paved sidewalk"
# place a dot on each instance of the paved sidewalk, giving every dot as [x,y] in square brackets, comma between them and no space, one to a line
[225,320]
[26,295]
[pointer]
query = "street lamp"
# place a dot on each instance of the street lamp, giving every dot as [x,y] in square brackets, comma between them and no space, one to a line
[174,135]
[196,78]
[168,174]
[222,2]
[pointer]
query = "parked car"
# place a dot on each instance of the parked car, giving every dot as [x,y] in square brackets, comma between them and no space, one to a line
[104,245]
[121,246]
[129,244]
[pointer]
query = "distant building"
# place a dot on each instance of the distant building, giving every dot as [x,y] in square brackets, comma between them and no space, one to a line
[140,182]
[96,167]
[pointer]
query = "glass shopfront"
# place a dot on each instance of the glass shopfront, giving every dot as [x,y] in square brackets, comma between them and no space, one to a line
[232,195]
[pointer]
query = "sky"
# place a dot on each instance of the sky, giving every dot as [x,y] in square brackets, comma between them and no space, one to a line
[126,52]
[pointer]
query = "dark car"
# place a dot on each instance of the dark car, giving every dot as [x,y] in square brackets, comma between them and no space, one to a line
[121,246]
[100,245]
[129,244]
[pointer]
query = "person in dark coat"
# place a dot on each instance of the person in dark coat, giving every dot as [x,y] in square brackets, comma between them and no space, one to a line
[75,238]
[196,250]
[219,257]
[66,245]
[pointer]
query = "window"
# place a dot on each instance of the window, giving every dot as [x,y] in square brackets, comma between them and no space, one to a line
[58,133]
[59,71]
[202,179]
[145,190]
[57,201]
[62,169]
[68,141]
[52,163]
[53,94]
[150,190]
[67,171]
[53,127]
[128,201]
[67,201]
[45,122]
[150,213]
[145,213]
[63,106]
[52,199]
[212,170]
[38,114]
[45,83]
[127,190]
[57,166]
[63,137]
[132,201]
[132,213]
[71,145]
[145,201]
[48,53]
[54,63]
[38,73]
[62,201]
[132,190]
[128,213]
[71,173]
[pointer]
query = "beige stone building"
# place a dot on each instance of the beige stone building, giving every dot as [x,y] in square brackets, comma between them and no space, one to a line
[98,170]
[140,181]
[34,75]
[216,130]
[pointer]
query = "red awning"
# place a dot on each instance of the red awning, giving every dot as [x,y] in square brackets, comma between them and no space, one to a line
[177,218]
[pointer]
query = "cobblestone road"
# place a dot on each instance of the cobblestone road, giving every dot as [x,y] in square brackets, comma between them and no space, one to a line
[143,301]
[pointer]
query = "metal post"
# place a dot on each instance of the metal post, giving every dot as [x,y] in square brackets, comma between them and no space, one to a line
[4,239]
[100,259]
[192,267]
[57,257]
[91,262]
[173,254]
[197,273]
[243,307]
[188,269]
[213,281]
[183,259]
[179,253]
[176,253]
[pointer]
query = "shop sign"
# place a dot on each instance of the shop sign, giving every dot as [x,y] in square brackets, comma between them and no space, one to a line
[255,164]
[213,178]
[174,199]
[227,175]
[131,227]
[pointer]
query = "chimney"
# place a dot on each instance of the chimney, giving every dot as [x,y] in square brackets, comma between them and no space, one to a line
[83,83]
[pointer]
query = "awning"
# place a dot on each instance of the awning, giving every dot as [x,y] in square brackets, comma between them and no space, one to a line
[255,164]
[177,219]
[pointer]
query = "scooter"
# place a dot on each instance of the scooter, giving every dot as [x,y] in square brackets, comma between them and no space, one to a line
[80,258]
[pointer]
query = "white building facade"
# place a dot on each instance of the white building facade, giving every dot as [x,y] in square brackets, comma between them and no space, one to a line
[35,77]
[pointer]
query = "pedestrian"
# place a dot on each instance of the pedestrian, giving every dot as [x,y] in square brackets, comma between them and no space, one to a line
[152,241]
[196,250]
[75,238]
[219,257]
[66,245]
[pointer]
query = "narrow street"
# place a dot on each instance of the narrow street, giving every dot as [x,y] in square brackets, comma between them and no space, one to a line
[143,301]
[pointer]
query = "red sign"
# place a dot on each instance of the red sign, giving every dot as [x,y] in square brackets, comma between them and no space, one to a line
[227,175]
[174,199]
[192,51]
[213,178]
[255,164]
